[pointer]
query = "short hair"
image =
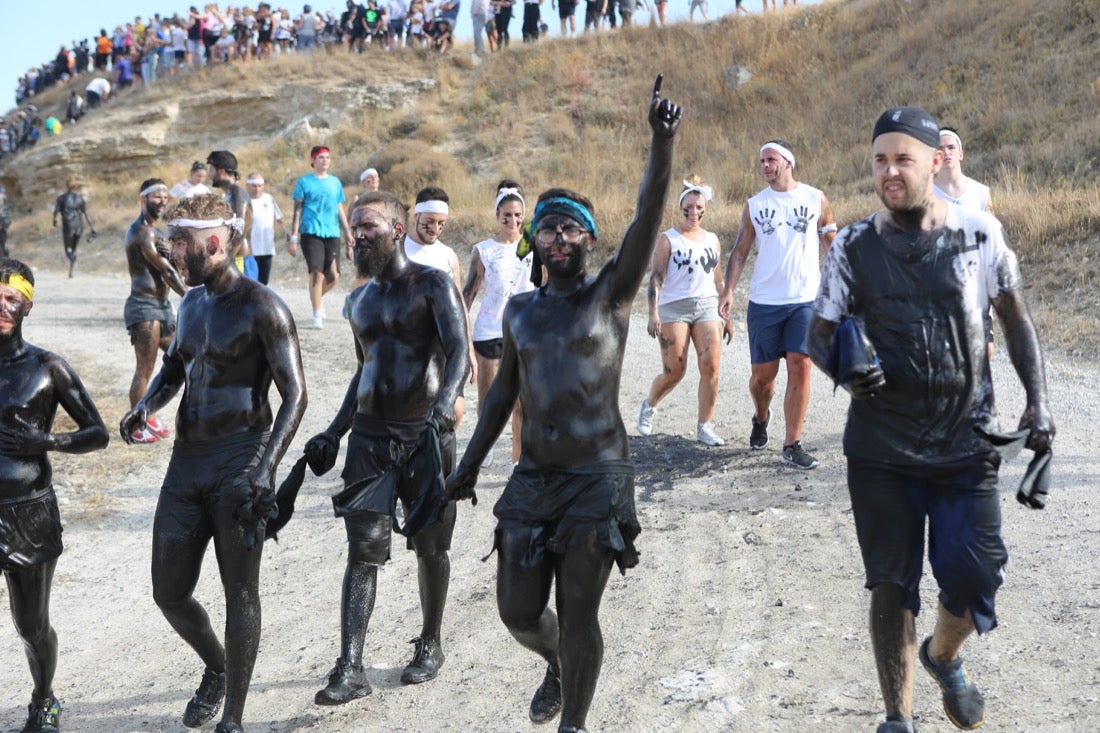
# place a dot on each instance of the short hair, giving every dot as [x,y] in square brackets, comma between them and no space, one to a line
[150,182]
[566,193]
[432,193]
[202,207]
[10,266]
[394,207]
[198,165]
[954,132]
[225,160]
[72,184]
[781,142]
[316,150]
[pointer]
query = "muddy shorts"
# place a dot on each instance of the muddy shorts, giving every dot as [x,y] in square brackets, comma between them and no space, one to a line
[30,531]
[490,348]
[141,308]
[557,506]
[396,460]
[959,502]
[206,483]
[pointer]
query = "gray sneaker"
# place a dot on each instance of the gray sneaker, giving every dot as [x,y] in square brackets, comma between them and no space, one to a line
[759,437]
[793,455]
[645,418]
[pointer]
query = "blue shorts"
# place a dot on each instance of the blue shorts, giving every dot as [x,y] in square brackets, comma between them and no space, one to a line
[959,501]
[776,330]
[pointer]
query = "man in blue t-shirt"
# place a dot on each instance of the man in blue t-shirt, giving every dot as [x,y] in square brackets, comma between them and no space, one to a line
[319,219]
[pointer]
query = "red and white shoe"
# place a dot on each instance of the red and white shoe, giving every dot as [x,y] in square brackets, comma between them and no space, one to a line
[153,425]
[144,436]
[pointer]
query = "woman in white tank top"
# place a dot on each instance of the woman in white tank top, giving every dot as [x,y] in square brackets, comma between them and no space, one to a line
[494,264]
[684,284]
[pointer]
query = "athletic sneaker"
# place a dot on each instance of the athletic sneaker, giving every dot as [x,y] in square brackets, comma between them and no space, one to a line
[793,455]
[145,435]
[546,704]
[645,417]
[318,320]
[704,433]
[207,699]
[43,716]
[897,726]
[759,436]
[345,683]
[426,661]
[153,425]
[962,701]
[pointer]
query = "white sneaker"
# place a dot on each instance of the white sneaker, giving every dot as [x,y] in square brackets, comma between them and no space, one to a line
[318,320]
[705,434]
[645,417]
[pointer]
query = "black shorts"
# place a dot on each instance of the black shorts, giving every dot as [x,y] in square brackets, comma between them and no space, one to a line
[30,531]
[320,253]
[391,460]
[958,501]
[141,308]
[490,348]
[206,482]
[566,9]
[556,506]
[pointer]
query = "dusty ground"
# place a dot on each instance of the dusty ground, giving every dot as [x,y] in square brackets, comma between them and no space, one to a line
[746,614]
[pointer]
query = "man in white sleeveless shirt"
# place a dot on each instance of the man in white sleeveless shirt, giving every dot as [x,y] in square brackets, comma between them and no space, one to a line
[950,184]
[788,222]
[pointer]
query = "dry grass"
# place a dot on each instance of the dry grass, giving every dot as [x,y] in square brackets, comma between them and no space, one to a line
[1018,79]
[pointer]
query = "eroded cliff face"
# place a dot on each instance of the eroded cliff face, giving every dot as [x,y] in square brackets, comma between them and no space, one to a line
[145,129]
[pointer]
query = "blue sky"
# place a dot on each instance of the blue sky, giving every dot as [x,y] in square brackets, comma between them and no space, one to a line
[32,33]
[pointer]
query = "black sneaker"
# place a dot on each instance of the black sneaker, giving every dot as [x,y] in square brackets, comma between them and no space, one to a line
[962,701]
[43,716]
[207,699]
[426,661]
[897,726]
[546,704]
[793,455]
[759,437]
[345,683]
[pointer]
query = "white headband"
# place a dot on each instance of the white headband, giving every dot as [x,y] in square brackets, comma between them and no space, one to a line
[154,188]
[952,133]
[367,172]
[432,207]
[505,193]
[783,152]
[236,223]
[705,191]
[255,181]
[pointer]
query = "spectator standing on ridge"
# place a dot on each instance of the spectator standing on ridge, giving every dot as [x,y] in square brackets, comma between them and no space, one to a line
[532,17]
[319,219]
[918,277]
[787,222]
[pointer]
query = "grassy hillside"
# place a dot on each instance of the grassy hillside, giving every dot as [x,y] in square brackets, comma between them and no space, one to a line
[1016,78]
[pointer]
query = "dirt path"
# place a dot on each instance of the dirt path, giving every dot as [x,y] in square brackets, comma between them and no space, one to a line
[746,614]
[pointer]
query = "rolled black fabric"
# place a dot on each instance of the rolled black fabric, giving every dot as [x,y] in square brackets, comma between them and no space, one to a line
[912,121]
[850,353]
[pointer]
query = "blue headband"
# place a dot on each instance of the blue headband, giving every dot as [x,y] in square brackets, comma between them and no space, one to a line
[568,207]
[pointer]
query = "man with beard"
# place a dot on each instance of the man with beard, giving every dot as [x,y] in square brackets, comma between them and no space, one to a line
[148,312]
[33,384]
[235,338]
[917,277]
[74,212]
[224,175]
[411,342]
[567,513]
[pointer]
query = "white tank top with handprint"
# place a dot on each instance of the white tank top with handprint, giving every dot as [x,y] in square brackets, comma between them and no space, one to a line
[690,271]
[787,268]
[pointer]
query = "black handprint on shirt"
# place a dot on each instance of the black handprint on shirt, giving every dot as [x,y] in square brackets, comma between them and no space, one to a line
[802,219]
[764,220]
[682,260]
[708,260]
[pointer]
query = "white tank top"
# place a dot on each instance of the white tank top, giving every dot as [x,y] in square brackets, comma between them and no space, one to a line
[505,275]
[787,245]
[974,196]
[690,270]
[437,255]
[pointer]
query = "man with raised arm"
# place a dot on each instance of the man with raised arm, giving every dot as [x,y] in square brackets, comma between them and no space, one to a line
[411,343]
[567,512]
[148,313]
[33,384]
[234,338]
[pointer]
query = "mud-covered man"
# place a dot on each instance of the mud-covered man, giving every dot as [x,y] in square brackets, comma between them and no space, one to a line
[567,513]
[234,339]
[148,313]
[411,343]
[33,384]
